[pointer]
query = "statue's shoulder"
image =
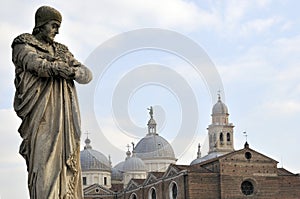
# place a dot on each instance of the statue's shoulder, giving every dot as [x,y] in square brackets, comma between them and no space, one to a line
[29,39]
[25,38]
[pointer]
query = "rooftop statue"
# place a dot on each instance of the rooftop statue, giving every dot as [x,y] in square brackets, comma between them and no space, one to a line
[46,101]
[150,111]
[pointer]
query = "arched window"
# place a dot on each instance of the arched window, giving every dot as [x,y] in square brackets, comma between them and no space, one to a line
[221,137]
[152,194]
[228,137]
[105,180]
[173,190]
[133,196]
[84,180]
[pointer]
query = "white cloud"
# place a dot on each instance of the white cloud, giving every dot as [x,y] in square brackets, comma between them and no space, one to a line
[259,26]
[286,107]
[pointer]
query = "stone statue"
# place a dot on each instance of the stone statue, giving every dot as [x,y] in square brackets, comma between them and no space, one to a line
[150,111]
[46,101]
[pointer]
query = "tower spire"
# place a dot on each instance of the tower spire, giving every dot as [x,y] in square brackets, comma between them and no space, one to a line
[109,160]
[199,151]
[219,95]
[128,153]
[246,135]
[246,145]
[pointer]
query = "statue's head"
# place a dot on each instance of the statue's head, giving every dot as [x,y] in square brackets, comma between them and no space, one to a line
[46,14]
[47,23]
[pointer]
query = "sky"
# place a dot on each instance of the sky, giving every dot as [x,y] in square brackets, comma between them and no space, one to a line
[173,55]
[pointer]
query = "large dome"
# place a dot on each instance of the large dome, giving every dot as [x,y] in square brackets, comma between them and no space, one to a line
[219,108]
[154,146]
[93,160]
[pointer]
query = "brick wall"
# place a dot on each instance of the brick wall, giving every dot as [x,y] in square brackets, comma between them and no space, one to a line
[203,185]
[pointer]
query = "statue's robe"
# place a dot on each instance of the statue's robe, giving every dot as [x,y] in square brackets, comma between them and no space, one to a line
[48,106]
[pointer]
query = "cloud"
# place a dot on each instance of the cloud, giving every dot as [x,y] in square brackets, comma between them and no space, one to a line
[285,107]
[259,26]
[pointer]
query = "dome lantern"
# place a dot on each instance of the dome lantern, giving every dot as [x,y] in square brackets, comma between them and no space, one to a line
[151,123]
[87,143]
[219,107]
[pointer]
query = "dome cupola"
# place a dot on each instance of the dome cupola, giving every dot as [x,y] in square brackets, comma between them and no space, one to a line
[134,163]
[133,167]
[95,167]
[91,159]
[154,150]
[219,107]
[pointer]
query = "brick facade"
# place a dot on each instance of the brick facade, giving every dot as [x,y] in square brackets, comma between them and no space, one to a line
[221,177]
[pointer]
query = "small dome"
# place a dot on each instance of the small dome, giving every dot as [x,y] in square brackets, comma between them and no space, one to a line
[154,146]
[93,160]
[119,166]
[219,107]
[116,174]
[134,164]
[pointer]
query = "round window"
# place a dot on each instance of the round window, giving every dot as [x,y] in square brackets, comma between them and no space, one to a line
[248,155]
[247,188]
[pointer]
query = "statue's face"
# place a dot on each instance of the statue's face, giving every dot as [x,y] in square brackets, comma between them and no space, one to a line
[50,30]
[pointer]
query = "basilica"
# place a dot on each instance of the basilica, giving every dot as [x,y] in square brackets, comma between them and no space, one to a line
[150,171]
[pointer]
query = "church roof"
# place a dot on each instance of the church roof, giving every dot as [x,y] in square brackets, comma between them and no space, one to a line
[230,154]
[284,172]
[97,189]
[153,146]
[207,157]
[157,174]
[91,159]
[117,187]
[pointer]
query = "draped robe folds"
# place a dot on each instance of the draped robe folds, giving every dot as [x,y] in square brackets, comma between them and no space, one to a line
[48,106]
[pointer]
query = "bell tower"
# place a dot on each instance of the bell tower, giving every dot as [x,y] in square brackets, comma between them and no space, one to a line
[220,131]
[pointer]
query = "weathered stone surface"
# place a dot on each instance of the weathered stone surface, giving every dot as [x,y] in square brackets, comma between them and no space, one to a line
[46,101]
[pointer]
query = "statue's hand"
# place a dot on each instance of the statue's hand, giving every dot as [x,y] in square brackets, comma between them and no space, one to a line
[74,63]
[65,71]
